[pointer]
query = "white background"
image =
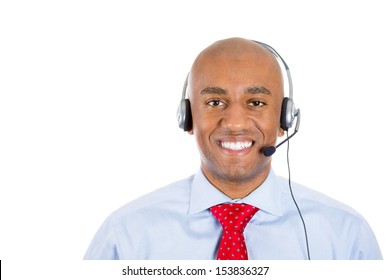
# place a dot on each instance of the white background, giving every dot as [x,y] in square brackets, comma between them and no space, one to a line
[89,91]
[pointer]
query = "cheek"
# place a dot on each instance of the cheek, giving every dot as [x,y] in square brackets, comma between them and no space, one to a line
[202,122]
[203,144]
[269,123]
[202,130]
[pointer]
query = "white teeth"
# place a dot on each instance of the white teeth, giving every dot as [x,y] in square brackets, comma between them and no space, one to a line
[236,146]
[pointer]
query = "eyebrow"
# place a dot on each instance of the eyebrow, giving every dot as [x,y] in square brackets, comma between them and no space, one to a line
[250,90]
[213,90]
[256,89]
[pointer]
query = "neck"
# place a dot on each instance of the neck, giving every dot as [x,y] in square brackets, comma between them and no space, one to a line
[237,187]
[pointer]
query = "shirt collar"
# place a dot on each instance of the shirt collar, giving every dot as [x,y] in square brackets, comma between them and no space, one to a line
[267,197]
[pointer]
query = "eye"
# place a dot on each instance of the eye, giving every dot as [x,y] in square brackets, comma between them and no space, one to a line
[257,103]
[215,103]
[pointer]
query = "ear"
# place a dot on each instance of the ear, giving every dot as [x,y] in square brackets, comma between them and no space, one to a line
[281,132]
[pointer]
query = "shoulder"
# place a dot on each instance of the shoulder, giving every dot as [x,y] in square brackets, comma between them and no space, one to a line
[122,232]
[315,202]
[339,230]
[175,195]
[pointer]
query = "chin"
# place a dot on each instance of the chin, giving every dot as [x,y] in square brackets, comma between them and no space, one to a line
[235,171]
[239,174]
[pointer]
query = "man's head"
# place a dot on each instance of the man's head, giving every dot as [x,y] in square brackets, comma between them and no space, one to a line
[235,91]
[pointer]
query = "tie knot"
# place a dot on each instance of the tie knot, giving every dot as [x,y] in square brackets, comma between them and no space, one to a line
[234,216]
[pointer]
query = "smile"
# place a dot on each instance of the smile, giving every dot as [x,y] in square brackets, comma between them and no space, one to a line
[236,146]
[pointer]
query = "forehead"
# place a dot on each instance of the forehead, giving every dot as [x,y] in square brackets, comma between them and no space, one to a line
[236,70]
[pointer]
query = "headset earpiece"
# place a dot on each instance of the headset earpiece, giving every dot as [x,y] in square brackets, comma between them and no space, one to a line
[184,115]
[287,114]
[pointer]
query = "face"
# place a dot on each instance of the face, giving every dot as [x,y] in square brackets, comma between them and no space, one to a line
[235,103]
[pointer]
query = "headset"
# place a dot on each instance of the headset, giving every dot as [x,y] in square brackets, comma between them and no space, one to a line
[288,113]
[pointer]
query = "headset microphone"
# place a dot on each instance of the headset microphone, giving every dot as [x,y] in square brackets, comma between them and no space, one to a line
[270,150]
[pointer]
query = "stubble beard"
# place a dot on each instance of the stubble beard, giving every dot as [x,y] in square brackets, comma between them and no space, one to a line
[233,174]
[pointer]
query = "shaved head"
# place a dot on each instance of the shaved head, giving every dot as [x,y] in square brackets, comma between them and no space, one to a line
[238,50]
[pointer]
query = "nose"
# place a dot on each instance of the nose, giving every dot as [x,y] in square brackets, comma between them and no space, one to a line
[235,118]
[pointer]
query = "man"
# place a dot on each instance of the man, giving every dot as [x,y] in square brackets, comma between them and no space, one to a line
[234,207]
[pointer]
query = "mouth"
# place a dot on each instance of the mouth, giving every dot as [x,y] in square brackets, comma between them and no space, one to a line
[236,146]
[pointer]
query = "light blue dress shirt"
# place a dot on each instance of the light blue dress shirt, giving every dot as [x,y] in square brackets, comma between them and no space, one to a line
[175,222]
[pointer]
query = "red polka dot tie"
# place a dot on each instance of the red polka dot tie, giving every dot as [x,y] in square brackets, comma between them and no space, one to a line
[233,219]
